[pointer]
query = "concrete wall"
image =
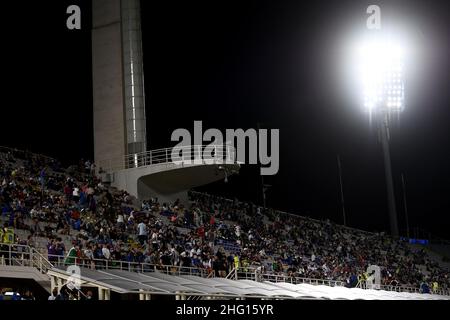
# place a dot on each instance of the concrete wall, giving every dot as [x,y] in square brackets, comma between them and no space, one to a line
[167,181]
[107,73]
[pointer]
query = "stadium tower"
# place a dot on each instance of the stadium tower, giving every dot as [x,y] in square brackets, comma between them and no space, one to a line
[120,146]
[118,79]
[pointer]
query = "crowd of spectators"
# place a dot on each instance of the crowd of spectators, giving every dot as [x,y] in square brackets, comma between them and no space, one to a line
[307,248]
[209,234]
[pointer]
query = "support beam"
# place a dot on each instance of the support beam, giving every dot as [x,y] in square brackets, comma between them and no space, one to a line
[101,294]
[52,283]
[107,294]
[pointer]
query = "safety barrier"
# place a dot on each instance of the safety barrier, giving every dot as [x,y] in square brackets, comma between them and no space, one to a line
[195,154]
[110,264]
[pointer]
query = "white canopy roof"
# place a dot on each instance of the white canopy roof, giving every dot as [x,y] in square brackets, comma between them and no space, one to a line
[160,283]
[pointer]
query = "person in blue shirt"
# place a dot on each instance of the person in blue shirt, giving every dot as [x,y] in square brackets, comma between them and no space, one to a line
[77,224]
[424,288]
[15,296]
[352,281]
[83,199]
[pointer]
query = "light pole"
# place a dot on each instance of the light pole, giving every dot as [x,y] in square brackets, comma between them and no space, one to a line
[384,139]
[382,79]
[405,205]
[264,187]
[341,189]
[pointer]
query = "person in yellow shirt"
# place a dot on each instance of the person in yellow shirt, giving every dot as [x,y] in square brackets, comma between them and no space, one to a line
[7,234]
[7,237]
[435,287]
[366,275]
[245,264]
[236,262]
[362,279]
[3,248]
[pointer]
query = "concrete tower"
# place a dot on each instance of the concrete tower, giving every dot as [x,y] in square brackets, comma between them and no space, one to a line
[119,113]
[118,79]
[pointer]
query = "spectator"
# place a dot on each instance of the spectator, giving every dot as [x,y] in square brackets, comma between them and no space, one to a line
[105,252]
[142,227]
[54,294]
[72,255]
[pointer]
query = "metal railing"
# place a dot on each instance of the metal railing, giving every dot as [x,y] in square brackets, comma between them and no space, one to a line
[26,256]
[255,275]
[408,289]
[23,255]
[23,153]
[232,274]
[110,264]
[300,280]
[185,155]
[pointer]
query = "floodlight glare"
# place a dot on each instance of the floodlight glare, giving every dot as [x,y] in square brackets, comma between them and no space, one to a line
[380,66]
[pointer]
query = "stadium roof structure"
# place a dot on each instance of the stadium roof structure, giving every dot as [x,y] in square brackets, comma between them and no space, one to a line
[157,283]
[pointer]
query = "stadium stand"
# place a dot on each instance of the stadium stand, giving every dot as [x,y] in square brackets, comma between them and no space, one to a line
[53,217]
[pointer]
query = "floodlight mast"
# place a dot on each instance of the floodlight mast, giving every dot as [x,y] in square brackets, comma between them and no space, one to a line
[383,127]
[383,85]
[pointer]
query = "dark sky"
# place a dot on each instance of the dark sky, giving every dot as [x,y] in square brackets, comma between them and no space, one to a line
[233,64]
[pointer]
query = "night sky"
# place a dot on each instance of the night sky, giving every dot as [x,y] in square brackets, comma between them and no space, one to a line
[233,64]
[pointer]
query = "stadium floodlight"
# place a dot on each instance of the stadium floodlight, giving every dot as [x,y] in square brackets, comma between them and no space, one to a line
[381,70]
[381,65]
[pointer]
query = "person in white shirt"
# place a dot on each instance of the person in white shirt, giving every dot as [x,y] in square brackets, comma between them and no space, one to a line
[106,253]
[76,194]
[155,240]
[142,232]
[93,169]
[207,263]
[88,253]
[120,220]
